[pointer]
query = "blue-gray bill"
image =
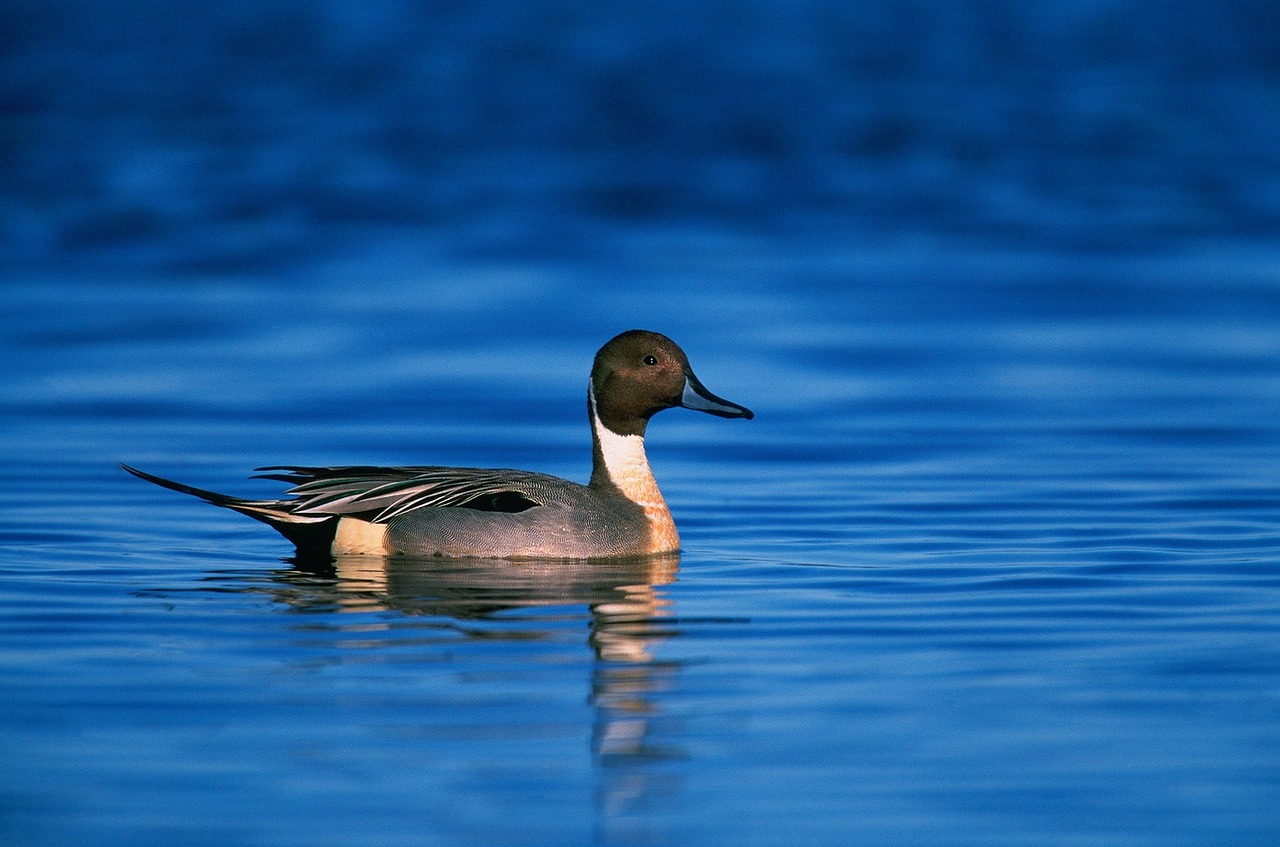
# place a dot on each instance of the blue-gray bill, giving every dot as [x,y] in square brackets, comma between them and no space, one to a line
[697,397]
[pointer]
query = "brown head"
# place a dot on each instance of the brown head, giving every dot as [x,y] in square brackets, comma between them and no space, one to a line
[640,373]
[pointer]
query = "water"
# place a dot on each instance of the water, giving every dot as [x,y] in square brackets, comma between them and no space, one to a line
[995,564]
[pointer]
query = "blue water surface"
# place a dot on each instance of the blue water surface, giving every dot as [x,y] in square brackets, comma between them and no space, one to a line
[997,562]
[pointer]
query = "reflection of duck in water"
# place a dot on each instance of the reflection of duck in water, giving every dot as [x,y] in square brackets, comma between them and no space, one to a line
[629,614]
[460,512]
[622,595]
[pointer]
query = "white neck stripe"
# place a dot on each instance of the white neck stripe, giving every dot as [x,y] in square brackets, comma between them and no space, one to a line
[624,459]
[628,469]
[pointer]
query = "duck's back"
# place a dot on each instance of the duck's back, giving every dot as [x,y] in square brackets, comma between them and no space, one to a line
[565,520]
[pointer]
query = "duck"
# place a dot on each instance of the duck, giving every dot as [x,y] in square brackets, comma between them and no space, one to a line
[501,513]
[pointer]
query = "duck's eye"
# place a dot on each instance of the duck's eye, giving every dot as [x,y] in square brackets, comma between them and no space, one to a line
[651,359]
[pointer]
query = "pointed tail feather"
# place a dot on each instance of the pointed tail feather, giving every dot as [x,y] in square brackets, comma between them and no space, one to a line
[213,497]
[307,532]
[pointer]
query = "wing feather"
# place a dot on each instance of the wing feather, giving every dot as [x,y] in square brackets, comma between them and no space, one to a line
[385,493]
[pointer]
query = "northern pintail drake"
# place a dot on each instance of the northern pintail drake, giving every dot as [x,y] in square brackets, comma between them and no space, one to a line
[500,513]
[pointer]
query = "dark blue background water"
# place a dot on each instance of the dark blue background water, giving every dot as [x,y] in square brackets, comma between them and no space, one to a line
[997,562]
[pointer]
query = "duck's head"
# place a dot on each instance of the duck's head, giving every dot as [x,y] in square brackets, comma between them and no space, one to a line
[640,373]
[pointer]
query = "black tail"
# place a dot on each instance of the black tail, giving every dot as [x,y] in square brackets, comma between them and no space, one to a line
[308,533]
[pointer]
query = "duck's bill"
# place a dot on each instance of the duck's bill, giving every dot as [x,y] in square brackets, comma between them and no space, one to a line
[697,397]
